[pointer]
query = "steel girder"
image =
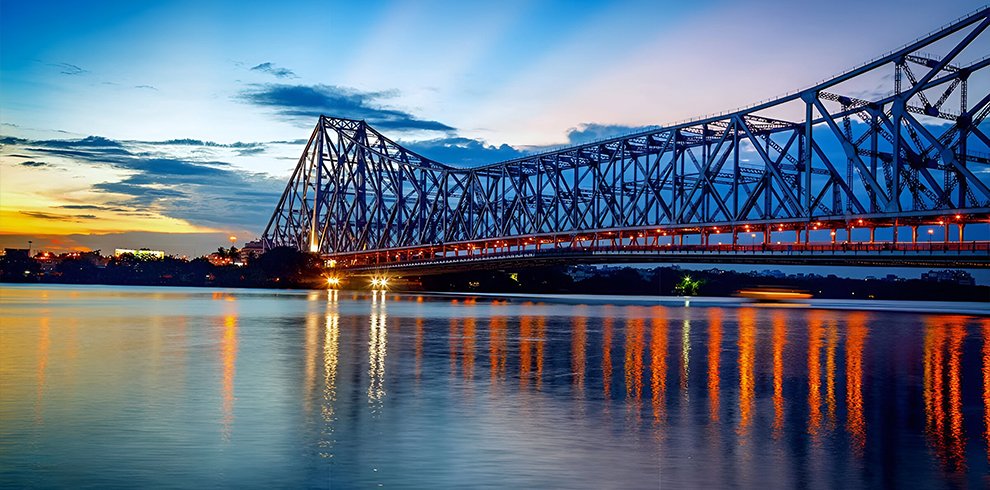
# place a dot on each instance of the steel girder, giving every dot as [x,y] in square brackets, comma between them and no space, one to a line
[901,154]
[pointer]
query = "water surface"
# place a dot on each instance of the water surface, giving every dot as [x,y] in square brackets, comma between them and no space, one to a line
[172,387]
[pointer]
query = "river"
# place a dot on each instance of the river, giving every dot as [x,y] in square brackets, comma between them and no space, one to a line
[181,387]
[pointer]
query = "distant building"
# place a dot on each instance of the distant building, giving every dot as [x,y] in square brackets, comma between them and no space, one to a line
[16,253]
[252,249]
[141,253]
[959,277]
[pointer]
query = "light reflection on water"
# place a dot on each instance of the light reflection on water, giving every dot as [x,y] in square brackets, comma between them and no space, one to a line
[149,387]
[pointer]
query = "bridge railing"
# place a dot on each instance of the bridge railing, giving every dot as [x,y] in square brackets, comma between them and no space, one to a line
[968,249]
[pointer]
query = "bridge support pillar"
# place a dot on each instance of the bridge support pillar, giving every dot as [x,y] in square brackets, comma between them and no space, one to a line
[895,232]
[872,234]
[797,237]
[914,233]
[735,237]
[961,225]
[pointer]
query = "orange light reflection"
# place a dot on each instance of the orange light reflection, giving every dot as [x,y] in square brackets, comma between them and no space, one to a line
[714,359]
[635,335]
[525,350]
[747,355]
[779,341]
[228,351]
[579,340]
[855,341]
[658,366]
[607,358]
[944,336]
[832,335]
[814,373]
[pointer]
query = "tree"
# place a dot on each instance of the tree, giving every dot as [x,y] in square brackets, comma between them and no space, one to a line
[288,267]
[688,286]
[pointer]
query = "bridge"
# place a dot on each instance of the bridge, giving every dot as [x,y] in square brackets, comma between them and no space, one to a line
[838,173]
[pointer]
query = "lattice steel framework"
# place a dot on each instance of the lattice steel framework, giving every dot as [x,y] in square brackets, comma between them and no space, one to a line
[821,153]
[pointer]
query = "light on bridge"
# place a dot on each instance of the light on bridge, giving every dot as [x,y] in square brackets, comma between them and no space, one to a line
[333,282]
[379,282]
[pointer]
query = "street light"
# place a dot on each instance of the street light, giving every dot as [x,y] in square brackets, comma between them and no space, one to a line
[930,233]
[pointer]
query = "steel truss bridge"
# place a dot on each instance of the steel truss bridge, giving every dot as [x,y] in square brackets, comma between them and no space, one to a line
[793,180]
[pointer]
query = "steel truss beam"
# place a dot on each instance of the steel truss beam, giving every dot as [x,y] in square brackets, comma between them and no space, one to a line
[908,154]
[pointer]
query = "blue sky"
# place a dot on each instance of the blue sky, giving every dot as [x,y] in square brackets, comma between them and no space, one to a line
[141,119]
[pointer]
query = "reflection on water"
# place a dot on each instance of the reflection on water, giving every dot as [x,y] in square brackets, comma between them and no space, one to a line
[44,343]
[815,332]
[116,387]
[331,339]
[497,348]
[228,351]
[779,321]
[377,349]
[606,355]
[855,420]
[579,342]
[714,362]
[747,357]
[943,398]
[986,383]
[658,366]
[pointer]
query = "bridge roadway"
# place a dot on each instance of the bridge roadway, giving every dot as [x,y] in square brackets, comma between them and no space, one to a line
[975,254]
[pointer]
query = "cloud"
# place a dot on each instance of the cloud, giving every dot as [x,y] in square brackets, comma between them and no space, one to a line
[87,142]
[71,217]
[589,132]
[466,152]
[313,101]
[463,152]
[148,87]
[68,68]
[202,191]
[273,70]
[92,207]
[34,163]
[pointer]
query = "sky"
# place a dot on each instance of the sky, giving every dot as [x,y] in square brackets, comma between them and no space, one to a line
[172,125]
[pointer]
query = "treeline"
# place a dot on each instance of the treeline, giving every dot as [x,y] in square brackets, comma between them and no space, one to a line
[672,281]
[281,267]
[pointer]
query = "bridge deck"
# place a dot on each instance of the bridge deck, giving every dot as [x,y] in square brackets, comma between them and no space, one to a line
[965,255]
